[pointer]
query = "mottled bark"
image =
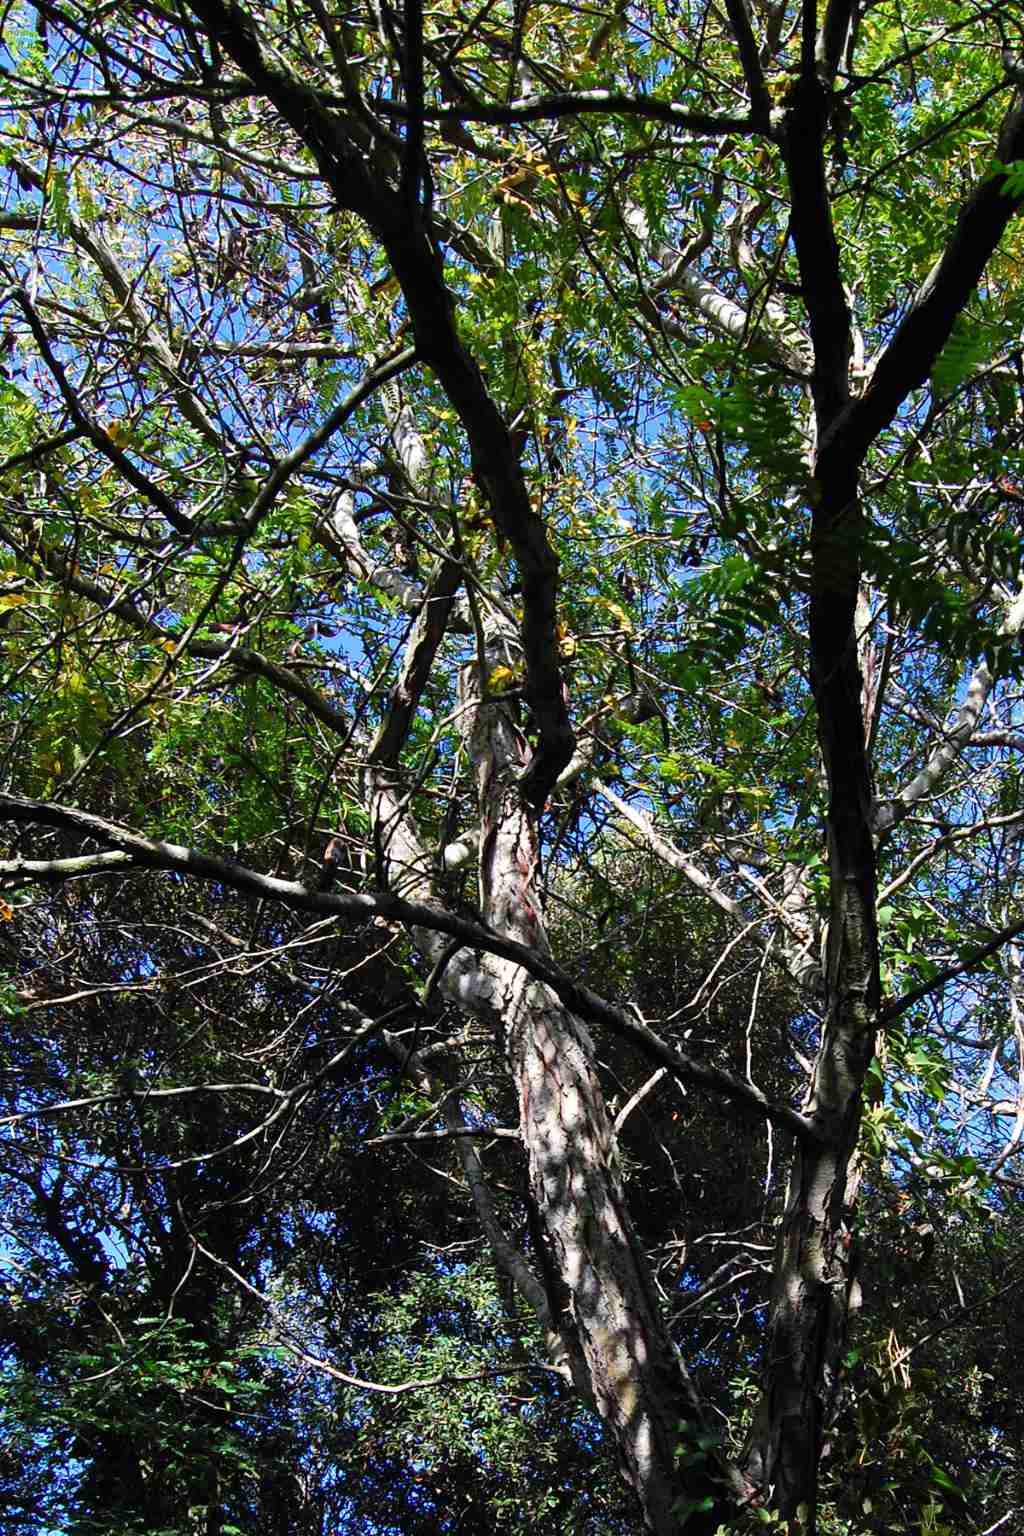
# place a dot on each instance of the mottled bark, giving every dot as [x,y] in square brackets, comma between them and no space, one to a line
[613,1339]
[636,1379]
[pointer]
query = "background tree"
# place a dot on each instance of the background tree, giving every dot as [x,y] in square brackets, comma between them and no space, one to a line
[493,498]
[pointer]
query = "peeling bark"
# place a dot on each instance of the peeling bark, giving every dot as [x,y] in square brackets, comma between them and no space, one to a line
[637,1381]
[614,1338]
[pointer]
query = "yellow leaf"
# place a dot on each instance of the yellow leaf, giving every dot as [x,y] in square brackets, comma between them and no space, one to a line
[169,646]
[12,600]
[502,677]
[6,911]
[620,613]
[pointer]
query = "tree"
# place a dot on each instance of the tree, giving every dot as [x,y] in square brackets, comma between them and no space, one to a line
[560,444]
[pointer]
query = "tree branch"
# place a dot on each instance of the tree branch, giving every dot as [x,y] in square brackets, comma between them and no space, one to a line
[100,439]
[911,354]
[889,813]
[124,290]
[968,962]
[242,658]
[147,853]
[802,136]
[672,856]
[532,109]
[443,1378]
[750,62]
[420,273]
[840,16]
[380,374]
[428,631]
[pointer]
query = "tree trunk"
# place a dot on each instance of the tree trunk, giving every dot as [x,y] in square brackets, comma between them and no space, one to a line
[811,1294]
[621,1354]
[636,1379]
